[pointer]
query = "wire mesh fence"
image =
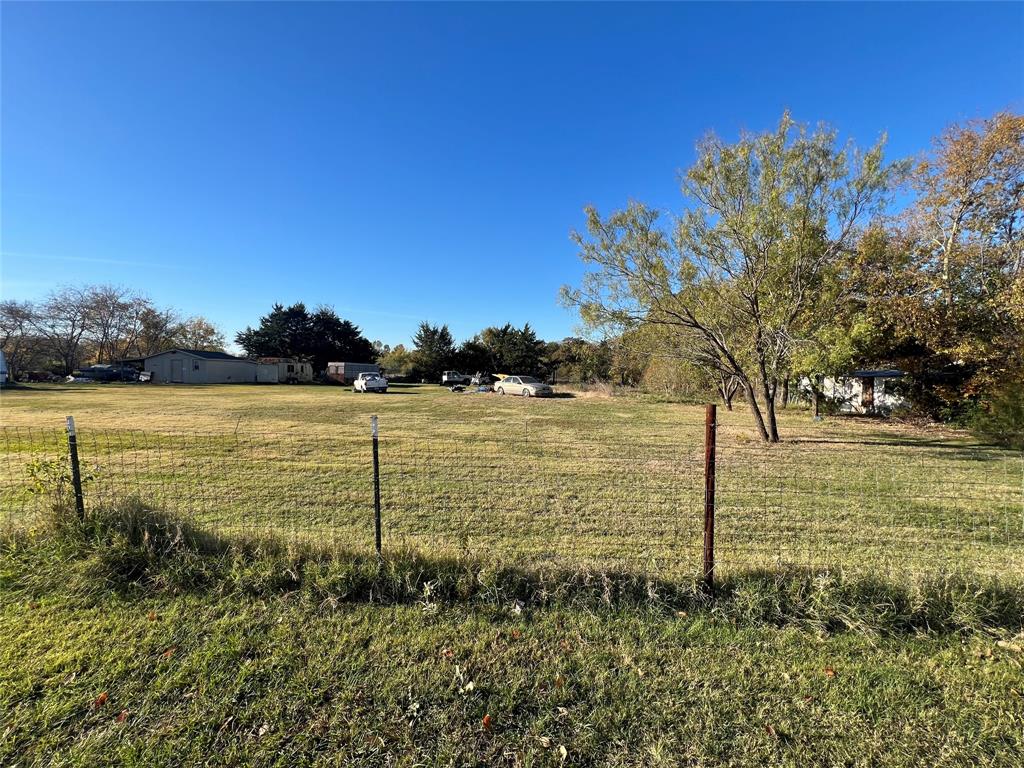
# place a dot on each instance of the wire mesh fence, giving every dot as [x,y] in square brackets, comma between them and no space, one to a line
[529,496]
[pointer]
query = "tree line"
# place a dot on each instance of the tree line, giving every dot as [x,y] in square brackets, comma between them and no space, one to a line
[321,336]
[505,349]
[74,326]
[788,262]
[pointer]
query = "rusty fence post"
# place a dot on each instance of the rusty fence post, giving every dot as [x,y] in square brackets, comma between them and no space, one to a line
[376,488]
[710,430]
[76,472]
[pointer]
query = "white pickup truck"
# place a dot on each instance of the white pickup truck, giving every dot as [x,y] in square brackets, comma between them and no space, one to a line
[370,382]
[453,377]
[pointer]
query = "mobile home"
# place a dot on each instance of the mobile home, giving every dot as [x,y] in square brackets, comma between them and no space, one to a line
[284,370]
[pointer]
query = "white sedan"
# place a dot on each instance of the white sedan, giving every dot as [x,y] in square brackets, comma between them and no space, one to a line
[370,382]
[527,386]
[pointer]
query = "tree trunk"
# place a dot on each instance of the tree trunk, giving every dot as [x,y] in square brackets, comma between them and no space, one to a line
[816,382]
[769,388]
[785,392]
[756,410]
[727,386]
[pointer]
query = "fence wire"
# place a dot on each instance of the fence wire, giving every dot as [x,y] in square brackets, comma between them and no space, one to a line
[529,496]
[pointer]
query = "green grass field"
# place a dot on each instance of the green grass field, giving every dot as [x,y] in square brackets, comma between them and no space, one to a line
[547,614]
[598,481]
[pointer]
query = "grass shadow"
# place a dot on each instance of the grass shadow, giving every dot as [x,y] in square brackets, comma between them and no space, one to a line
[134,549]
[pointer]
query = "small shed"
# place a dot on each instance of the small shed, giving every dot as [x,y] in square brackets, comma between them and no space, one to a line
[867,391]
[197,366]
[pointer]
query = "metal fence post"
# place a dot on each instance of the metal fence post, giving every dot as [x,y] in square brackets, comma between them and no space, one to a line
[76,472]
[376,488]
[710,430]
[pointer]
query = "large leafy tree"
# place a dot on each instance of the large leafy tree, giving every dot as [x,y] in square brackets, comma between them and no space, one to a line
[199,333]
[581,360]
[434,351]
[513,350]
[944,288]
[319,337]
[753,265]
[396,361]
[504,348]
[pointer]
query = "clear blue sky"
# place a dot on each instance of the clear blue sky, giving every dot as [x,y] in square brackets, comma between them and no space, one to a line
[408,162]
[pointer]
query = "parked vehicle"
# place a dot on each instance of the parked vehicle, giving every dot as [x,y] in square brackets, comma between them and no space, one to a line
[105,373]
[370,382]
[3,369]
[527,386]
[38,377]
[482,379]
[347,373]
[454,377]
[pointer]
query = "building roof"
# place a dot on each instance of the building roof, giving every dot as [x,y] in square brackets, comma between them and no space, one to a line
[206,355]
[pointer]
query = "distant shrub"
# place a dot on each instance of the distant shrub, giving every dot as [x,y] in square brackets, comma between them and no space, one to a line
[1001,420]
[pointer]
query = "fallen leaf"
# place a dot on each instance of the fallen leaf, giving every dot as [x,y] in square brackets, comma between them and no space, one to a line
[516,634]
[122,716]
[563,752]
[682,614]
[771,731]
[559,681]
[100,700]
[151,615]
[264,728]
[545,741]
[487,722]
[447,653]
[169,652]
[829,672]
[1007,645]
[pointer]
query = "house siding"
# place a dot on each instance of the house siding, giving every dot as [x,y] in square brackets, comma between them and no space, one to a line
[197,370]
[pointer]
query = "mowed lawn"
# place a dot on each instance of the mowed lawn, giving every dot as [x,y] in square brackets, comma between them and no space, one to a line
[183,680]
[583,479]
[110,655]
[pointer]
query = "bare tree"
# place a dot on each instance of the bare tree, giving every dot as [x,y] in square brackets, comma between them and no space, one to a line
[16,335]
[62,321]
[115,317]
[159,329]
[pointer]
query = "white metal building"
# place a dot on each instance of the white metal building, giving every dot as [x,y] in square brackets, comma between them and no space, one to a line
[195,366]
